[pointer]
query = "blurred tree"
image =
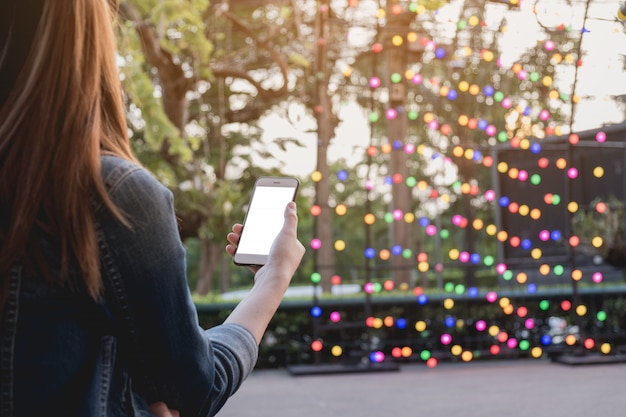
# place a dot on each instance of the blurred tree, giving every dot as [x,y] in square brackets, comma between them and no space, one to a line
[197,78]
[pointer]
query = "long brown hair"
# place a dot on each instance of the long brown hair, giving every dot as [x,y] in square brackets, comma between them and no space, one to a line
[60,109]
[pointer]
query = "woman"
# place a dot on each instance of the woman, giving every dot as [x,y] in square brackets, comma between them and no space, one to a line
[97,318]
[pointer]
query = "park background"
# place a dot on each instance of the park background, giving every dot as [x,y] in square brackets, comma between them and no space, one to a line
[462,167]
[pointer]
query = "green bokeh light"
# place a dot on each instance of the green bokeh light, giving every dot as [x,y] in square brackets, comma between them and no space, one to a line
[535,179]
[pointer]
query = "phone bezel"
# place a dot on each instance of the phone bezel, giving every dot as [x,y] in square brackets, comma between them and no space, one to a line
[248,259]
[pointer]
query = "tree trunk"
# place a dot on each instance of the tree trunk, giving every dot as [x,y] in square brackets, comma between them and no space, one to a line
[325,259]
[396,131]
[209,254]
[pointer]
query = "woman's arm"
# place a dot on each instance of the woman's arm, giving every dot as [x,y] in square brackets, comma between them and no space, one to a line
[271,281]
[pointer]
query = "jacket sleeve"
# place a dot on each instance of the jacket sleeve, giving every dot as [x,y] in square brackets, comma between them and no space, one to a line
[169,356]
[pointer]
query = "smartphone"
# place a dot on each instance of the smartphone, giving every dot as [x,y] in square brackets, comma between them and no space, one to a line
[264,218]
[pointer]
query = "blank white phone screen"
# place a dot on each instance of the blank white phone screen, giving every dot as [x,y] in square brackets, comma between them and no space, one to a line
[264,220]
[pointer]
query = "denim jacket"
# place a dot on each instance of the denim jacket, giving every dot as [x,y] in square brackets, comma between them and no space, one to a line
[64,354]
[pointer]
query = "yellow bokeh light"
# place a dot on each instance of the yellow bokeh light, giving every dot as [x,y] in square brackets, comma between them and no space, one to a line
[598,172]
[572,207]
[409,217]
[423,266]
[503,167]
[504,301]
[316,176]
[420,326]
[547,81]
[463,86]
[457,151]
[597,242]
[558,130]
[341,209]
[473,21]
[448,303]
[378,323]
[467,356]
[508,309]
[453,254]
[397,40]
[494,330]
[581,310]
[523,210]
[469,153]
[605,348]
[411,37]
[340,245]
[536,253]
[524,144]
[491,229]
[456,350]
[336,351]
[536,352]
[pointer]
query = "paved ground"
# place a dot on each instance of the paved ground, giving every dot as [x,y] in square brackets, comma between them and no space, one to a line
[522,388]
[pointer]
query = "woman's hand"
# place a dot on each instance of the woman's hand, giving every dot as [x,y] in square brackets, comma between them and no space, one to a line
[271,281]
[286,252]
[233,239]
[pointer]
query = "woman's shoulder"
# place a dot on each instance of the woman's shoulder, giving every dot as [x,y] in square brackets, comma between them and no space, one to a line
[130,185]
[118,172]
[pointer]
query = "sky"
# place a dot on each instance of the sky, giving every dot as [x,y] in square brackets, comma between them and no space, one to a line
[600,77]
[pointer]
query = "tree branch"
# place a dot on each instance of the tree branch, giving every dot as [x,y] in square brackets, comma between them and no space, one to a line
[264,44]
